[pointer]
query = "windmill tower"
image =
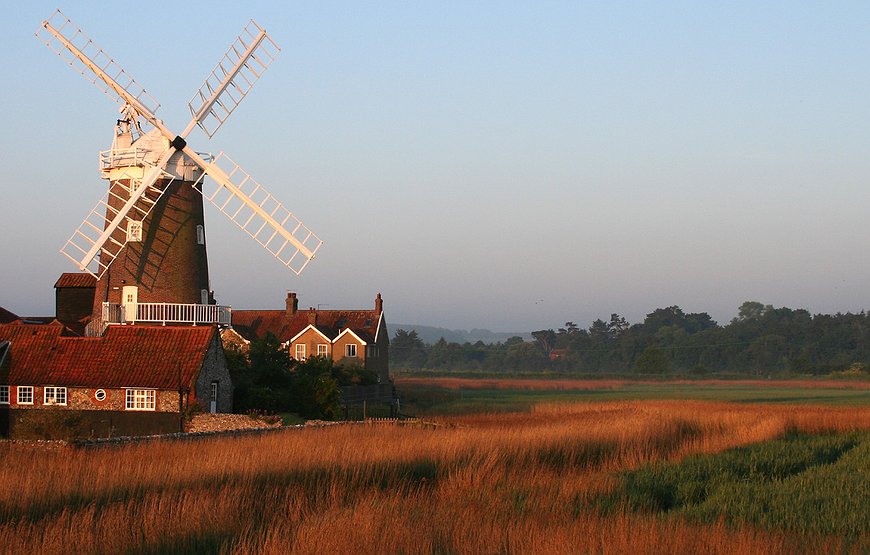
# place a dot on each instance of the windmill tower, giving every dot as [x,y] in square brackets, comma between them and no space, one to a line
[145,241]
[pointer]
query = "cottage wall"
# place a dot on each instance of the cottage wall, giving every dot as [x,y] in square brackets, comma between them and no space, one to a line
[214,369]
[311,339]
[339,350]
[73,303]
[85,399]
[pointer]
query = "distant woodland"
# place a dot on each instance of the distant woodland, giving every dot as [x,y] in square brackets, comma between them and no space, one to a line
[760,341]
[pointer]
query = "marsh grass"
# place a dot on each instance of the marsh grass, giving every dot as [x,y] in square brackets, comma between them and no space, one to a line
[488,483]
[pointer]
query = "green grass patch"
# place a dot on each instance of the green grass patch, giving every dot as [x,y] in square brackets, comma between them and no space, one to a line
[808,484]
[432,400]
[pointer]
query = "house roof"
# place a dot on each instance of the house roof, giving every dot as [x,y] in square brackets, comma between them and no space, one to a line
[6,316]
[77,280]
[254,324]
[125,356]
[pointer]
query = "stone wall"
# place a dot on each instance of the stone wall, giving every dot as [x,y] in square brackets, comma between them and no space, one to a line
[60,423]
[214,368]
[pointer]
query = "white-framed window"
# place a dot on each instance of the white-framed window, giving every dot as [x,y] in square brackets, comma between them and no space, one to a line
[25,394]
[141,399]
[200,235]
[300,351]
[4,394]
[203,296]
[350,350]
[53,395]
[100,395]
[134,231]
[322,349]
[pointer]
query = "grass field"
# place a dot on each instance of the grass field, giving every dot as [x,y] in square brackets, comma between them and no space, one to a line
[618,476]
[440,396]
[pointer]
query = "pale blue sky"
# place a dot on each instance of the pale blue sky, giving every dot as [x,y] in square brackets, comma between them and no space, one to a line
[501,165]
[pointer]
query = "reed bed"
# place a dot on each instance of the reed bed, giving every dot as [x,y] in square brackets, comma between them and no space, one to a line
[506,483]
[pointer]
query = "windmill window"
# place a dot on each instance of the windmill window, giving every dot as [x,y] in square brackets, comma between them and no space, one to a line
[54,396]
[372,351]
[134,231]
[322,349]
[200,235]
[350,350]
[141,399]
[25,394]
[100,395]
[4,394]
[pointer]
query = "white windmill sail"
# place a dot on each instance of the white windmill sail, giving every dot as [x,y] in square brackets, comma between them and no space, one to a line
[223,90]
[75,48]
[270,224]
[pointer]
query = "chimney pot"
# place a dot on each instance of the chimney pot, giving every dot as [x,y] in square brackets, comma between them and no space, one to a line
[379,304]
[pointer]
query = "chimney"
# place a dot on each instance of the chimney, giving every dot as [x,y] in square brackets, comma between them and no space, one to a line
[312,316]
[379,304]
[292,303]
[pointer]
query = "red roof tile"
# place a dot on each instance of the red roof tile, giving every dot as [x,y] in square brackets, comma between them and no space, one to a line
[75,280]
[254,324]
[126,356]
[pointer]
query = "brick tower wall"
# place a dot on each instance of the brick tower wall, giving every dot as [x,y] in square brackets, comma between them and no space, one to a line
[168,265]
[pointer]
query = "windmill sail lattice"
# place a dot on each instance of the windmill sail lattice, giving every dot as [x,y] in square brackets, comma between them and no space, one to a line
[245,61]
[88,233]
[266,223]
[59,33]
[236,194]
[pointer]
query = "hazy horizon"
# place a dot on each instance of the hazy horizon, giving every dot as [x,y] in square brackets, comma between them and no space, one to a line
[502,166]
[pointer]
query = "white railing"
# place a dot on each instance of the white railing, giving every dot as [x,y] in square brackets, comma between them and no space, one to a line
[134,156]
[167,313]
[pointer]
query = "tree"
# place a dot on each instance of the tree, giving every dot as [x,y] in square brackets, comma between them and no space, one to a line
[407,349]
[315,391]
[652,361]
[617,326]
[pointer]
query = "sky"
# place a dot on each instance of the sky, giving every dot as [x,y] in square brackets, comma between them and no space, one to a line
[501,165]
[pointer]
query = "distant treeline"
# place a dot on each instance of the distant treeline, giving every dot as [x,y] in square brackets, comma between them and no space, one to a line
[760,341]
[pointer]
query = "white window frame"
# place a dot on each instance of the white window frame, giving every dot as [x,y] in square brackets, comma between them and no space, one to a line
[52,395]
[140,399]
[322,350]
[4,394]
[24,389]
[100,393]
[299,351]
[350,350]
[134,231]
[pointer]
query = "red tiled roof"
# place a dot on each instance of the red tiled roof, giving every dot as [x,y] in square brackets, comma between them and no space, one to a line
[6,316]
[75,280]
[126,356]
[254,324]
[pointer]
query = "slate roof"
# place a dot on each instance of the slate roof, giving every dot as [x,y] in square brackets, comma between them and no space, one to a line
[254,324]
[125,356]
[76,280]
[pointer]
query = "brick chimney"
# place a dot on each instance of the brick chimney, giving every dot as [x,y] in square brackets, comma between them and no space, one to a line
[379,304]
[292,303]
[312,316]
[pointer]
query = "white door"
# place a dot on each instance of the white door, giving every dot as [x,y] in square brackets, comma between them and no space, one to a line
[129,296]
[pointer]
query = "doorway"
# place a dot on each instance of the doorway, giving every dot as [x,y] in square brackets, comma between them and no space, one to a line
[129,299]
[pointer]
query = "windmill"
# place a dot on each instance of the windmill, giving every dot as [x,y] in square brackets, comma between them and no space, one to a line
[145,241]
